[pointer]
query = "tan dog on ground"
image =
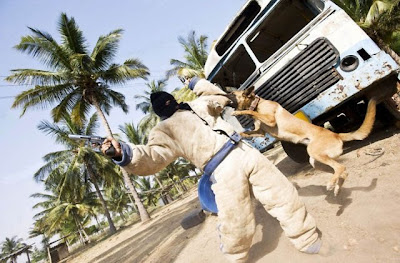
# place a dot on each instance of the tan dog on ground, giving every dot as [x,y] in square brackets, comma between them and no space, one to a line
[322,145]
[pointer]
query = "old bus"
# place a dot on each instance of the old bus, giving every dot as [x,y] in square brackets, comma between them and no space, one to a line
[309,56]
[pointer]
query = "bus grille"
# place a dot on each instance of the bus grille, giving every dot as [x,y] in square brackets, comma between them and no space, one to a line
[302,79]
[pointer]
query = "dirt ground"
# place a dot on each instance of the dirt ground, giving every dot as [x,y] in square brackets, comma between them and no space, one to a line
[362,224]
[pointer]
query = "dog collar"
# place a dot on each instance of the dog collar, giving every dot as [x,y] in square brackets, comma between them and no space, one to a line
[254,103]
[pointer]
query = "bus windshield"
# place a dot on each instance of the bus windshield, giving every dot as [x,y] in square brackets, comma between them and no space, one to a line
[268,32]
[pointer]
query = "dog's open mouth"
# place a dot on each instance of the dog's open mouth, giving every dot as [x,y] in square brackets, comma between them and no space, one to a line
[233,102]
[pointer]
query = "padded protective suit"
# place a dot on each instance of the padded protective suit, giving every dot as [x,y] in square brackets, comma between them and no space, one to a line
[243,171]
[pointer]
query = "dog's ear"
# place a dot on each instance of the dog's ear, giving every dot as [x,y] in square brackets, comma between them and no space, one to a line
[248,92]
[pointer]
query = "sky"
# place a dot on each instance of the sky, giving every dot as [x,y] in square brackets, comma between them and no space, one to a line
[151,31]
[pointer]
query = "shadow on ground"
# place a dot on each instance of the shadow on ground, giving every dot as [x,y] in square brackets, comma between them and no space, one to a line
[344,197]
[138,247]
[271,232]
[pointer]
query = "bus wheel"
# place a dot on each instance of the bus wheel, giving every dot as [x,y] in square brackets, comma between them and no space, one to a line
[296,152]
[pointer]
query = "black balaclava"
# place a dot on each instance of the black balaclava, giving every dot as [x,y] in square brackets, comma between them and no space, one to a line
[164,104]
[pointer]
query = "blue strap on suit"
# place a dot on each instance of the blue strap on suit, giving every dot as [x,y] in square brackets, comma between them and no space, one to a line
[206,195]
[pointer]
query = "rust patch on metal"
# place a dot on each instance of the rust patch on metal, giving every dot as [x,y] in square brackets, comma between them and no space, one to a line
[388,66]
[358,86]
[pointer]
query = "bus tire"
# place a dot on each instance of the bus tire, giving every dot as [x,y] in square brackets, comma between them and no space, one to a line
[393,108]
[296,152]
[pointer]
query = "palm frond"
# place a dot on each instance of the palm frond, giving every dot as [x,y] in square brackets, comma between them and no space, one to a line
[66,104]
[116,99]
[92,125]
[71,35]
[147,123]
[130,70]
[132,134]
[41,96]
[79,111]
[195,55]
[105,49]
[42,46]
[143,107]
[35,77]
[59,133]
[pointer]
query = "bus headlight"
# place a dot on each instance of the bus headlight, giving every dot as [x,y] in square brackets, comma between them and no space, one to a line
[349,63]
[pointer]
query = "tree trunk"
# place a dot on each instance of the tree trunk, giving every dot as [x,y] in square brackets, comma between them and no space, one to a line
[68,244]
[121,214]
[102,117]
[27,255]
[81,231]
[81,238]
[175,185]
[134,207]
[144,216]
[93,179]
[183,186]
[98,223]
[164,195]
[84,232]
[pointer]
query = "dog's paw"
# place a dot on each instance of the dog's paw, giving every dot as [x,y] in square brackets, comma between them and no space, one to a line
[335,186]
[245,135]
[330,186]
[235,113]
[339,184]
[337,189]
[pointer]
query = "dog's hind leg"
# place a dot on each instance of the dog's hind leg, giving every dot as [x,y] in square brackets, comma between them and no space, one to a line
[339,175]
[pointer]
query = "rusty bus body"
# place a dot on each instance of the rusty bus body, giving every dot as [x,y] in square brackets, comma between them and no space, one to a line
[309,56]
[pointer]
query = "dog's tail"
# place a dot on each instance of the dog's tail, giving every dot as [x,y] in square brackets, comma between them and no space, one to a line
[366,126]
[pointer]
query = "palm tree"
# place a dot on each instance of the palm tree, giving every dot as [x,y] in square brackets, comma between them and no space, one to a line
[77,160]
[67,209]
[178,174]
[149,192]
[195,55]
[169,174]
[11,245]
[132,134]
[77,79]
[380,19]
[59,210]
[39,229]
[153,86]
[118,200]
[184,94]
[186,172]
[150,119]
[39,255]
